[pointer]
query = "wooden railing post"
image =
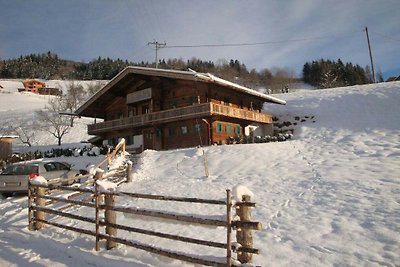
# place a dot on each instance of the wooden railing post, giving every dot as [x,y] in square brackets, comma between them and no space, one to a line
[129,174]
[97,176]
[110,217]
[108,156]
[30,219]
[228,228]
[244,236]
[40,202]
[124,148]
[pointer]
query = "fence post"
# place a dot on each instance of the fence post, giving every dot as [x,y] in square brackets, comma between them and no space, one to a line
[129,173]
[40,202]
[109,156]
[97,176]
[228,228]
[110,217]
[243,235]
[30,219]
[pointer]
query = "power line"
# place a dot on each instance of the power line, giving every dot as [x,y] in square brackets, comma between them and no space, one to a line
[254,43]
[385,36]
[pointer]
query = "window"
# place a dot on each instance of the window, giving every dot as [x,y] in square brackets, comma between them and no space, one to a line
[113,141]
[132,112]
[219,127]
[129,140]
[61,166]
[171,131]
[184,129]
[237,130]
[228,129]
[158,132]
[196,128]
[145,109]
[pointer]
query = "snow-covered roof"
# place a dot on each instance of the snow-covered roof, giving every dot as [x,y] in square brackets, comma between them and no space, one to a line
[214,79]
[8,136]
[124,77]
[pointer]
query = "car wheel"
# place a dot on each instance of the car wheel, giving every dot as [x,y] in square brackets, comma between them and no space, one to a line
[6,195]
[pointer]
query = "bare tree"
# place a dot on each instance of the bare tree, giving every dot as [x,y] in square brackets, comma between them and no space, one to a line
[6,128]
[75,96]
[51,120]
[72,99]
[26,133]
[282,77]
[93,88]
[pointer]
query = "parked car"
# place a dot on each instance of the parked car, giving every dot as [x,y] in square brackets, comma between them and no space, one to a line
[14,178]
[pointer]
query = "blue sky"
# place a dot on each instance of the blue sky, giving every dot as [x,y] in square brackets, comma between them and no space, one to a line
[292,31]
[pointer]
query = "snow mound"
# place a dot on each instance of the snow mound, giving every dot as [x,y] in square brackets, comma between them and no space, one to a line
[239,191]
[38,180]
[106,186]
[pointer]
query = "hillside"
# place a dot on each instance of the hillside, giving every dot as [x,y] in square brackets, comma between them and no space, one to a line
[328,197]
[19,109]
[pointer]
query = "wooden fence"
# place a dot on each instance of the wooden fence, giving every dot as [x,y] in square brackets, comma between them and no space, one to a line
[44,208]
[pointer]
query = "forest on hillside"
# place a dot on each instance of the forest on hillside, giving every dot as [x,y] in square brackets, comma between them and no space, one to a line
[321,73]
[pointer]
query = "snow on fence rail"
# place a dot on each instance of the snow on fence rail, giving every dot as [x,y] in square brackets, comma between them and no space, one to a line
[42,205]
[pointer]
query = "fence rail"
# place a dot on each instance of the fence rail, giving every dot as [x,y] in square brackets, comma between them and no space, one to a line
[106,229]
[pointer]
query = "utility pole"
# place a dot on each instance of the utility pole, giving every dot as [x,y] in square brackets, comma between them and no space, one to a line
[370,56]
[157,46]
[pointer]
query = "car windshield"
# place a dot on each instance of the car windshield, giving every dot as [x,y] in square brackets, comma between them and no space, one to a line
[20,170]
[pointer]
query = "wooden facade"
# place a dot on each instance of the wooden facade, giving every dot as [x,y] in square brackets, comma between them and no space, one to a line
[33,86]
[38,87]
[6,146]
[166,109]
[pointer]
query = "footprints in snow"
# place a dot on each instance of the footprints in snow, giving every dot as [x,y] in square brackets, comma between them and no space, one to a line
[316,177]
[286,203]
[279,213]
[322,249]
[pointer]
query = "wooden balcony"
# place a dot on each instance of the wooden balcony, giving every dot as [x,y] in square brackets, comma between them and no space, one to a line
[237,113]
[189,112]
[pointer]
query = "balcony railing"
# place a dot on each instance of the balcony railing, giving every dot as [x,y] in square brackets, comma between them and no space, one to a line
[189,112]
[223,110]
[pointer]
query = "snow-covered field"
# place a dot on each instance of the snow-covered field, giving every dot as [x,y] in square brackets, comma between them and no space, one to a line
[329,197]
[19,109]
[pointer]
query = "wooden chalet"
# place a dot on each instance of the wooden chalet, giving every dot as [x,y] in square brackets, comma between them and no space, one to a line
[38,87]
[32,86]
[166,109]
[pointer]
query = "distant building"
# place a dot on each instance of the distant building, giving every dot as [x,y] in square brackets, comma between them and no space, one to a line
[6,145]
[167,109]
[32,86]
[38,87]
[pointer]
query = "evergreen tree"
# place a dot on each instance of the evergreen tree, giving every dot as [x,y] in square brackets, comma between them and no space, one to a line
[328,74]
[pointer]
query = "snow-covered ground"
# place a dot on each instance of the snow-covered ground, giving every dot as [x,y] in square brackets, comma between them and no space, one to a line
[329,197]
[19,109]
